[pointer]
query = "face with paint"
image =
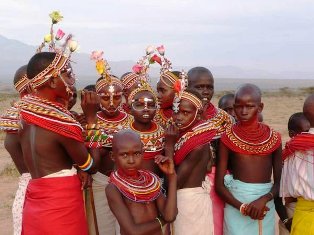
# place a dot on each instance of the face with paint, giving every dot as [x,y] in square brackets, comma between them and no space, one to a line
[143,107]
[111,98]
[186,116]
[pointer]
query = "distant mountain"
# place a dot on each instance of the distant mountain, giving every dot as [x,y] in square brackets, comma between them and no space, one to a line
[15,54]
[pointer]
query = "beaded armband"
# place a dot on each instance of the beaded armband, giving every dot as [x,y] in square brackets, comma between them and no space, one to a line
[94,137]
[88,164]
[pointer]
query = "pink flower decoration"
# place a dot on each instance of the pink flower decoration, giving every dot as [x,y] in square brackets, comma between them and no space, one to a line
[154,59]
[161,50]
[96,55]
[137,68]
[60,34]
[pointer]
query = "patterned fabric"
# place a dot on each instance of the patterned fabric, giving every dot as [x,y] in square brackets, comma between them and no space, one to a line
[145,188]
[153,140]
[18,204]
[112,126]
[10,121]
[257,139]
[51,116]
[200,134]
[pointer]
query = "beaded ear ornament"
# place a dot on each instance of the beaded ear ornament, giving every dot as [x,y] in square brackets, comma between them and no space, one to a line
[63,52]
[103,69]
[179,86]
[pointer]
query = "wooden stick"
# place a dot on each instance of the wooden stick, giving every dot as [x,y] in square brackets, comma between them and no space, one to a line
[93,209]
[260,227]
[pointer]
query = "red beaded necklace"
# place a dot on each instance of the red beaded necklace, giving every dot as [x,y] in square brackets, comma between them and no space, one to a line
[145,187]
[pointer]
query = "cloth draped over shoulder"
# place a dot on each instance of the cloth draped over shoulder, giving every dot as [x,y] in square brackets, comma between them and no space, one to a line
[54,206]
[237,224]
[259,139]
[50,116]
[200,134]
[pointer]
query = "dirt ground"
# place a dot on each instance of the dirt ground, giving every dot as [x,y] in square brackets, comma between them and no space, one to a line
[277,110]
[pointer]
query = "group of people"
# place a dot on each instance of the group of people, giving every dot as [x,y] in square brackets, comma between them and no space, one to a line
[139,160]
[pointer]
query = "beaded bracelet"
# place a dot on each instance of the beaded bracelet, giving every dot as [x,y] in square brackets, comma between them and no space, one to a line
[93,126]
[88,164]
[243,209]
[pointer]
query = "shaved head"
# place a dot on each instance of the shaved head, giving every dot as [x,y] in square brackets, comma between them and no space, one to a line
[249,89]
[20,73]
[123,136]
[196,72]
[308,109]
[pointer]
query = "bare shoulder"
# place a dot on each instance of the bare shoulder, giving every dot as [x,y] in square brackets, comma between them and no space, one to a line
[112,191]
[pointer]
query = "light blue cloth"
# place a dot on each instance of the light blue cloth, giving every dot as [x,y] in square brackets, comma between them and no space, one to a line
[237,224]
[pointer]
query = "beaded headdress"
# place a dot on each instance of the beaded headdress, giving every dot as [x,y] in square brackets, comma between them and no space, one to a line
[129,80]
[103,68]
[193,99]
[23,84]
[143,87]
[179,86]
[63,53]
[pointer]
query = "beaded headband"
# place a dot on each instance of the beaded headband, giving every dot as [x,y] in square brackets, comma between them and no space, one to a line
[193,99]
[22,84]
[129,80]
[144,87]
[63,53]
[101,83]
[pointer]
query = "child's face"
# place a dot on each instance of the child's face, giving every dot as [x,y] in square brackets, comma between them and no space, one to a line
[128,156]
[186,116]
[143,107]
[111,98]
[165,95]
[228,106]
[246,107]
[204,85]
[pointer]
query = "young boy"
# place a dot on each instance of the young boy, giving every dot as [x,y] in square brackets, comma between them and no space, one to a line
[297,124]
[201,80]
[51,141]
[191,155]
[143,109]
[297,174]
[9,123]
[253,151]
[134,194]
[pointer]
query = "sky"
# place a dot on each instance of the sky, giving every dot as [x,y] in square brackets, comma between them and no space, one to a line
[271,35]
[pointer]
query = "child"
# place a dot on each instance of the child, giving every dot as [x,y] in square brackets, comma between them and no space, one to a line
[201,80]
[191,155]
[297,174]
[130,81]
[143,109]
[297,124]
[134,195]
[253,151]
[110,120]
[9,123]
[226,103]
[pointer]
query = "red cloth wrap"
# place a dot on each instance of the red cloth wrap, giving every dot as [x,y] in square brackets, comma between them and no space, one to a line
[211,111]
[301,142]
[194,138]
[255,139]
[54,206]
[62,128]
